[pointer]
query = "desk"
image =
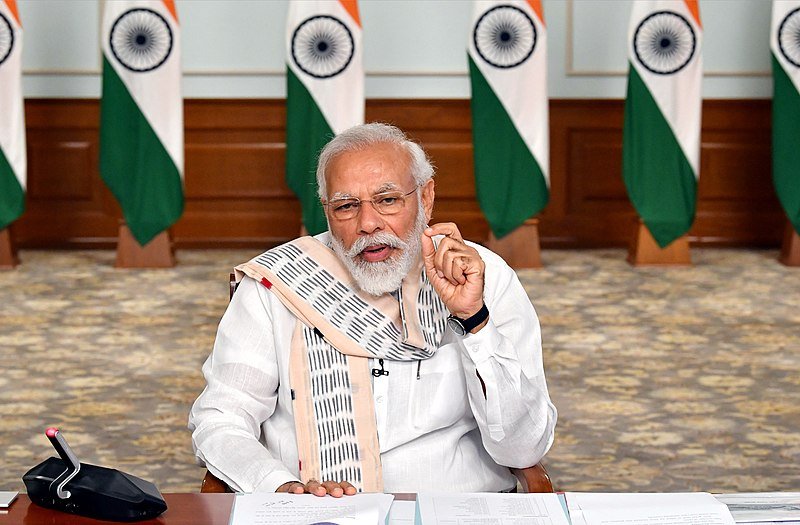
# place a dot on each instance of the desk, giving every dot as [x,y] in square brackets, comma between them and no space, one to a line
[182,509]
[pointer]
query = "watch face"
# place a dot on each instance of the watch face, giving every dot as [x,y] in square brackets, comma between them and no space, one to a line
[455,325]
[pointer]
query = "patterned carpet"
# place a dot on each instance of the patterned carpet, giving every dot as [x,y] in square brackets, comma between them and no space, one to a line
[665,379]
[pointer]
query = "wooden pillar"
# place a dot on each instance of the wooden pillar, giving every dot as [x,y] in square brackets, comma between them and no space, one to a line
[8,252]
[157,253]
[645,251]
[520,248]
[790,250]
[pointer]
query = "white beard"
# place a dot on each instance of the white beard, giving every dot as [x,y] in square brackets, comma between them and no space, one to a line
[378,278]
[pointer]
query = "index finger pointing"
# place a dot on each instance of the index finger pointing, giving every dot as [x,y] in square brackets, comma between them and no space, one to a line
[448,229]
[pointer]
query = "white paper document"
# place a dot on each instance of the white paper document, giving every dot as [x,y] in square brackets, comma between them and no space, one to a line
[307,509]
[490,509]
[6,498]
[695,508]
[403,512]
[763,507]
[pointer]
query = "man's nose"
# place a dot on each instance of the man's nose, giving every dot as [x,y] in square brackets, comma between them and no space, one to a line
[369,220]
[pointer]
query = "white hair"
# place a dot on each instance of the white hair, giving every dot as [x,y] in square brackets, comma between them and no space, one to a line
[363,136]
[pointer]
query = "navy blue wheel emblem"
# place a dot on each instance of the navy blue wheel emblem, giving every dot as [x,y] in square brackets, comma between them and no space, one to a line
[6,38]
[504,36]
[141,40]
[789,37]
[322,46]
[664,42]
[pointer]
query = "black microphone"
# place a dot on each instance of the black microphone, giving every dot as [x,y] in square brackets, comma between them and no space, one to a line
[380,372]
[73,465]
[96,492]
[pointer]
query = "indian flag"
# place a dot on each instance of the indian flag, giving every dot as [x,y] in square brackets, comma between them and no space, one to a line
[141,114]
[508,72]
[13,157]
[661,137]
[324,91]
[785,46]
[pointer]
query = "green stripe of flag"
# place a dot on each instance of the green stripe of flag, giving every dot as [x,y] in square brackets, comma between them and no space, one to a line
[659,178]
[307,132]
[786,143]
[134,163]
[510,184]
[12,196]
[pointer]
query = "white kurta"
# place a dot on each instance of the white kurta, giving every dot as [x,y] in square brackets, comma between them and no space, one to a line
[436,430]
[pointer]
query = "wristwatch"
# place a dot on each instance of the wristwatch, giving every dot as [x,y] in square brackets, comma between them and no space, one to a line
[464,326]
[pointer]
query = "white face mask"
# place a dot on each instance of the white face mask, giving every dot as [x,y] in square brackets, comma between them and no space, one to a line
[378,278]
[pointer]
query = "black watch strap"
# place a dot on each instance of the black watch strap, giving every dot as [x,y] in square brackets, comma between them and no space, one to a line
[473,320]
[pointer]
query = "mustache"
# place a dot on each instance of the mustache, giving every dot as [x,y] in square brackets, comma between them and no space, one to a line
[362,243]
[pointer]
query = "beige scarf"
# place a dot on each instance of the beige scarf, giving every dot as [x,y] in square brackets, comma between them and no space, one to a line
[338,329]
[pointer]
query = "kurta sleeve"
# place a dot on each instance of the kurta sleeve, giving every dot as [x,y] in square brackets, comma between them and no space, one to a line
[242,379]
[515,415]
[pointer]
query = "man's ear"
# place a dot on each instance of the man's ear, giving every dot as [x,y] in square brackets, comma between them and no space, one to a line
[428,195]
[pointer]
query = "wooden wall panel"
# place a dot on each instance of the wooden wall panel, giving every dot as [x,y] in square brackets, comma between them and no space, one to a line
[588,204]
[736,200]
[67,204]
[235,190]
[236,194]
[71,162]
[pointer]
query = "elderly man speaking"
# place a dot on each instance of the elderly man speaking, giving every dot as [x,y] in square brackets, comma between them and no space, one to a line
[384,355]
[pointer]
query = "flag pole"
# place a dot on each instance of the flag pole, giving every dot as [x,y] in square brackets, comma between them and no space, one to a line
[790,250]
[8,252]
[645,251]
[520,248]
[158,253]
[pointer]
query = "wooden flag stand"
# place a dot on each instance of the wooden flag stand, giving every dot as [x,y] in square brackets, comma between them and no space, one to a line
[158,253]
[790,250]
[8,252]
[520,248]
[645,251]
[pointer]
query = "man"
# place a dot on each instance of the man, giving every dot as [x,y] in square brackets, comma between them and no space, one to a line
[383,355]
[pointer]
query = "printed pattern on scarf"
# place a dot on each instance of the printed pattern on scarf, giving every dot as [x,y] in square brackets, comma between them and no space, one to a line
[333,410]
[431,311]
[349,313]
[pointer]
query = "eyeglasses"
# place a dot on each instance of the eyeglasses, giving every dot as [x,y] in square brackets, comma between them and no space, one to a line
[386,203]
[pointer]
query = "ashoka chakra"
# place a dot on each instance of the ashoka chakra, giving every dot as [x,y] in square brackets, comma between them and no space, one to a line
[664,42]
[504,36]
[322,46]
[141,39]
[6,38]
[789,37]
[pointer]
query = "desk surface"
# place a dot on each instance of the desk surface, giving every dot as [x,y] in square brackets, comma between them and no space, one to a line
[182,509]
